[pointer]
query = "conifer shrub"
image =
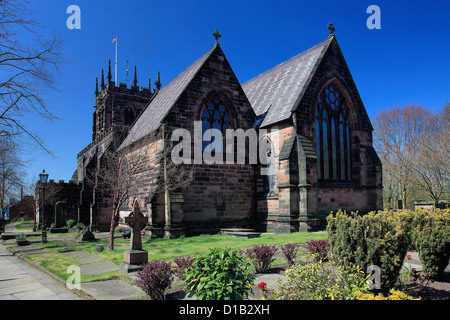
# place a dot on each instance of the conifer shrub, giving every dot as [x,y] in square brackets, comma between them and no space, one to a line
[155,278]
[377,238]
[262,257]
[219,274]
[431,238]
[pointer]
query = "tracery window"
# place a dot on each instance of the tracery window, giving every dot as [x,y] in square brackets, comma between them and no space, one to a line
[333,136]
[101,118]
[215,116]
[129,116]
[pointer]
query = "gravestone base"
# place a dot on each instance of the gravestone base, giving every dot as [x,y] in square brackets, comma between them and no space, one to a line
[59,230]
[134,256]
[127,268]
[133,260]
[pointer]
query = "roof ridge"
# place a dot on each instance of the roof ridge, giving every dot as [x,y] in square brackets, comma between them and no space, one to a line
[203,57]
[287,61]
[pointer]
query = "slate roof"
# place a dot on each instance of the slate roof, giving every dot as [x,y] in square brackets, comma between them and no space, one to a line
[282,87]
[163,102]
[275,92]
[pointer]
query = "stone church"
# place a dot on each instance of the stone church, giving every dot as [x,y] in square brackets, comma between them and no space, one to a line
[317,138]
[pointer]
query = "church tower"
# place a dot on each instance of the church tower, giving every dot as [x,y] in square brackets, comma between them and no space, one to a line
[116,104]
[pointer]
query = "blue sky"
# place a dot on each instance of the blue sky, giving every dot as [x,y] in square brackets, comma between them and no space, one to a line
[406,61]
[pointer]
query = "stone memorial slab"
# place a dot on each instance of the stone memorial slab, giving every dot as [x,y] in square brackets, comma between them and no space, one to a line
[98,267]
[110,290]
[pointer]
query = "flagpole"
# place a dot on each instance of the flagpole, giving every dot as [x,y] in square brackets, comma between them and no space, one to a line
[116,64]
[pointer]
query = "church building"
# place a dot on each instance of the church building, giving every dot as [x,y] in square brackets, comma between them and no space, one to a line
[312,128]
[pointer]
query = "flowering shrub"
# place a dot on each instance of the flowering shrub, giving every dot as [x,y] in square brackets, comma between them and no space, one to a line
[155,278]
[290,252]
[266,292]
[318,248]
[262,257]
[394,295]
[220,274]
[182,265]
[262,286]
[320,280]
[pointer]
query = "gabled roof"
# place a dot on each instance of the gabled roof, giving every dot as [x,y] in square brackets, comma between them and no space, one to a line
[163,102]
[281,88]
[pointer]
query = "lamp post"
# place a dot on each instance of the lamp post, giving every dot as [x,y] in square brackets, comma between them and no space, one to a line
[43,177]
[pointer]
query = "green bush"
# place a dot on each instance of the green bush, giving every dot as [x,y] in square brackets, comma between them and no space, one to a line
[220,274]
[431,238]
[70,223]
[377,238]
[311,279]
[21,237]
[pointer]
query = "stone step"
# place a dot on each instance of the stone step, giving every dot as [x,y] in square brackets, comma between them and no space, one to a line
[246,235]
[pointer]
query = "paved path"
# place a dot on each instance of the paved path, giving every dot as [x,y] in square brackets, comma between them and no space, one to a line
[19,281]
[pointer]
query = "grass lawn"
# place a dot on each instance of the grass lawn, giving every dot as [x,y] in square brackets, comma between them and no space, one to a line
[158,249]
[168,249]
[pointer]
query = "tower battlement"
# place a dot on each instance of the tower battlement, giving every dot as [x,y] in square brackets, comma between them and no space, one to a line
[116,104]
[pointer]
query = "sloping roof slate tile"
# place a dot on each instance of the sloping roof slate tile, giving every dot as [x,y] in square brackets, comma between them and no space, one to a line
[280,87]
[162,103]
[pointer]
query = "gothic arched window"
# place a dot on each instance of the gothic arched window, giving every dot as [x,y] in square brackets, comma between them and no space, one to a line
[129,116]
[333,136]
[214,116]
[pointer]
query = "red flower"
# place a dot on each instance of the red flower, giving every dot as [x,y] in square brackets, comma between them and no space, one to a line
[408,256]
[262,285]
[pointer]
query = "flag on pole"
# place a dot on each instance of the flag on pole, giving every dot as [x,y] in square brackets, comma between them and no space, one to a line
[115,40]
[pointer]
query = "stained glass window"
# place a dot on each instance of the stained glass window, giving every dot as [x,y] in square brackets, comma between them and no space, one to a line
[333,136]
[215,116]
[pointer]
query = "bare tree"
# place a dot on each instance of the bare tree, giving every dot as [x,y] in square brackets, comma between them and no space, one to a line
[117,178]
[28,68]
[413,146]
[431,166]
[11,171]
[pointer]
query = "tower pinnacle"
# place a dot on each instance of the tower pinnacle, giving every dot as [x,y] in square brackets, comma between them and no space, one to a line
[109,72]
[135,77]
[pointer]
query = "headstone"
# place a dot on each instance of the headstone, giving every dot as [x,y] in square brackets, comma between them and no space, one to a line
[135,257]
[84,234]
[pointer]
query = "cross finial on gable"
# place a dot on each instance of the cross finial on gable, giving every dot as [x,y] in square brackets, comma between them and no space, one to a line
[331,28]
[216,35]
